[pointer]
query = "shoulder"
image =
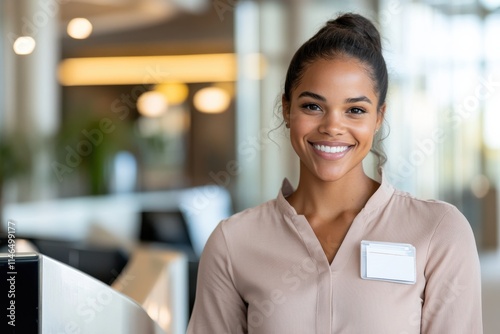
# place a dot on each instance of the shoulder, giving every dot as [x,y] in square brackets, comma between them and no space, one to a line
[406,207]
[444,233]
[424,207]
[443,220]
[245,223]
[239,233]
[250,217]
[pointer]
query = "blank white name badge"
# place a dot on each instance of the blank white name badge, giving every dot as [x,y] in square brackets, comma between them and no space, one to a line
[388,261]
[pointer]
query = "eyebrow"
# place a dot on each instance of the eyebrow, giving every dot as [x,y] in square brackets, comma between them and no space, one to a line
[312,95]
[323,99]
[358,99]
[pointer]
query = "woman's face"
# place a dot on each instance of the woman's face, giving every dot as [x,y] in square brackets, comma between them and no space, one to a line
[332,115]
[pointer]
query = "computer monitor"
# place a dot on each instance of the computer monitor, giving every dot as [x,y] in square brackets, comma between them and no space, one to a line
[168,228]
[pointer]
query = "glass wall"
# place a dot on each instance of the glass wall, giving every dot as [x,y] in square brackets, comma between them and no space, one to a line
[444,86]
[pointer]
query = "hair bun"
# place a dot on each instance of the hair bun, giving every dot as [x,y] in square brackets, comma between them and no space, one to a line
[355,24]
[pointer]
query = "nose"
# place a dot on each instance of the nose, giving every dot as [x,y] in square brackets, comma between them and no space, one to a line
[332,123]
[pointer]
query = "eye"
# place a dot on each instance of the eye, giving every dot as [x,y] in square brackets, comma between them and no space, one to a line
[311,107]
[356,111]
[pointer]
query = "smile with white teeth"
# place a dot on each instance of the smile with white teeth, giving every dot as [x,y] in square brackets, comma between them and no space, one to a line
[331,149]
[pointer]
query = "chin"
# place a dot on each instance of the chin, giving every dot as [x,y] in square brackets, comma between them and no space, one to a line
[334,174]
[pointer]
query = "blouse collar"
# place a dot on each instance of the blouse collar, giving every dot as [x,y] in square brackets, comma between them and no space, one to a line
[377,200]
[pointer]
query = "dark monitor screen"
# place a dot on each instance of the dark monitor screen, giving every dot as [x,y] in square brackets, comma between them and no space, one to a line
[107,268]
[79,255]
[166,227]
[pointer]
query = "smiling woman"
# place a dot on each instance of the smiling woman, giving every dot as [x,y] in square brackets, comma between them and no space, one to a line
[332,118]
[341,253]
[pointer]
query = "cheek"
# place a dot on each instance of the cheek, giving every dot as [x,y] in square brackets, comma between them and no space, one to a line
[364,133]
[299,125]
[296,135]
[299,131]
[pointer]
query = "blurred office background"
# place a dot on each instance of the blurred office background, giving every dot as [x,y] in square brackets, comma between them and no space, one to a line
[155,96]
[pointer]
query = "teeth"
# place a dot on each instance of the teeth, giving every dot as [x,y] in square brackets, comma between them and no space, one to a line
[330,149]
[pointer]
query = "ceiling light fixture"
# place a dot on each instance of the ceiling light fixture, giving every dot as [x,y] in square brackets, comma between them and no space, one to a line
[212,100]
[79,28]
[174,92]
[152,104]
[93,71]
[24,45]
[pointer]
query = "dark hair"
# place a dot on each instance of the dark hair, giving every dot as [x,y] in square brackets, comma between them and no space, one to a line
[349,35]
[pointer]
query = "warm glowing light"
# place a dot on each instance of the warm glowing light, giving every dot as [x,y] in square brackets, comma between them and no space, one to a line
[147,69]
[152,104]
[24,45]
[174,92]
[79,28]
[212,100]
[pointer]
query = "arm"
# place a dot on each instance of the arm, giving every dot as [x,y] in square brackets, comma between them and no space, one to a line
[452,301]
[218,306]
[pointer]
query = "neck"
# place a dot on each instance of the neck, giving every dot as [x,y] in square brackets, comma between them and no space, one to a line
[314,197]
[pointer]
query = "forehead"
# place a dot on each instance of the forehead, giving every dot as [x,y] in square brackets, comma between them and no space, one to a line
[341,77]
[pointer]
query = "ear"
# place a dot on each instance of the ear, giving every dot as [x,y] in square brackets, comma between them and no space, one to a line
[285,104]
[381,116]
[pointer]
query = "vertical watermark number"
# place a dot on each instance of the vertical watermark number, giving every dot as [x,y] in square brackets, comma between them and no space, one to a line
[11,273]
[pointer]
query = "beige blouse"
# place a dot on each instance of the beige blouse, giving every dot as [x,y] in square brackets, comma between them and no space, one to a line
[263,271]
